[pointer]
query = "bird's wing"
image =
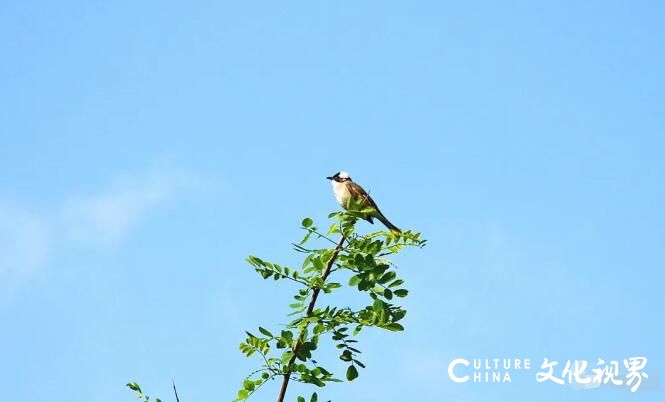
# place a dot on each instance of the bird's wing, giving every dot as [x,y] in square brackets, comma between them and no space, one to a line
[359,194]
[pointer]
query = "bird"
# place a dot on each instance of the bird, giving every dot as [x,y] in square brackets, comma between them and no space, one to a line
[345,189]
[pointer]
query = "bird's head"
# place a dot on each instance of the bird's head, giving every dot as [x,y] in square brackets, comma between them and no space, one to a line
[340,177]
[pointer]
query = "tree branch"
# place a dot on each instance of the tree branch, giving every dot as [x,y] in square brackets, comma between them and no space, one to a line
[175,391]
[310,310]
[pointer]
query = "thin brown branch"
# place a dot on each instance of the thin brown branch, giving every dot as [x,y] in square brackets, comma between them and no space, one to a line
[310,310]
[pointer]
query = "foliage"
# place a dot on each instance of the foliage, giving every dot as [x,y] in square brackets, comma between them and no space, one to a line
[139,393]
[288,353]
[134,386]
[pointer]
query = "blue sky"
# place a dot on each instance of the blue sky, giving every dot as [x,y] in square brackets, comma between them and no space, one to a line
[147,147]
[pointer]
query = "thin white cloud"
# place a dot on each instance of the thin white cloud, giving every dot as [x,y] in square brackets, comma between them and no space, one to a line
[24,243]
[27,240]
[106,217]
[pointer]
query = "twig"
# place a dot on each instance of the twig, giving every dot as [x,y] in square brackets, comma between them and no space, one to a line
[175,391]
[310,310]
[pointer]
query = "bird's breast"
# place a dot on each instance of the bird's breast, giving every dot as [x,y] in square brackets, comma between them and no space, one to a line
[342,193]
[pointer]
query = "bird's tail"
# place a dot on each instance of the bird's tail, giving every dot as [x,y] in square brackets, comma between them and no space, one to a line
[387,223]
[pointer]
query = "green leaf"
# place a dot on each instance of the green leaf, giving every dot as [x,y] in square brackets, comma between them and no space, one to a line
[134,386]
[242,395]
[318,264]
[265,332]
[303,241]
[286,357]
[401,292]
[351,373]
[394,327]
[359,259]
[248,385]
[387,277]
[301,399]
[307,222]
[355,280]
[378,305]
[398,315]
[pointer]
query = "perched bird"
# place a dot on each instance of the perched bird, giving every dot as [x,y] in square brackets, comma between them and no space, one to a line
[345,189]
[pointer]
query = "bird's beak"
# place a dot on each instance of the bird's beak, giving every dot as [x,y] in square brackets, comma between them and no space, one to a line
[329,178]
